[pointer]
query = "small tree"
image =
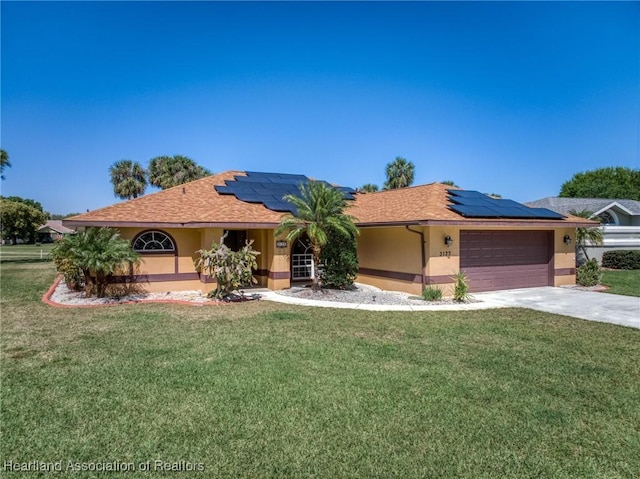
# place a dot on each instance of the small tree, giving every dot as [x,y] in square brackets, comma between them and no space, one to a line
[97,253]
[19,220]
[231,269]
[340,259]
[319,209]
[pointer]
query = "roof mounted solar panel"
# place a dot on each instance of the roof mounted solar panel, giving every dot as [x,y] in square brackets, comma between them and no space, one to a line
[545,213]
[473,204]
[270,189]
[475,211]
[472,201]
[467,193]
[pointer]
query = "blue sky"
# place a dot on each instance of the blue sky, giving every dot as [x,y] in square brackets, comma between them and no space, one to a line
[511,98]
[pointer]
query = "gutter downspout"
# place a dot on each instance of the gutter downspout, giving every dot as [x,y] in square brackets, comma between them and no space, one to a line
[424,258]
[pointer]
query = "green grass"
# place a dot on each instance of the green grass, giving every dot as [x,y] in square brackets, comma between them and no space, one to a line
[25,253]
[263,389]
[625,282]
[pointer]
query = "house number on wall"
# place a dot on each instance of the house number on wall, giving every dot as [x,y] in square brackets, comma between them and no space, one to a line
[445,253]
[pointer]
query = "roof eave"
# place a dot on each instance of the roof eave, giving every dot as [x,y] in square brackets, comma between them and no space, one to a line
[152,224]
[481,222]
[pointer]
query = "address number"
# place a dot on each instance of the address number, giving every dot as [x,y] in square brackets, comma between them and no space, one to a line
[445,253]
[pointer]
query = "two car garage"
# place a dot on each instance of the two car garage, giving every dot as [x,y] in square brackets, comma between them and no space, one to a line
[495,260]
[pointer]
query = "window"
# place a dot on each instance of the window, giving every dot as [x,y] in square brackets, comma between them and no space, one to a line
[235,239]
[153,241]
[606,218]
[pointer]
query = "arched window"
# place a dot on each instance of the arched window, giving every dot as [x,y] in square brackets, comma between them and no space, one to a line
[607,218]
[153,241]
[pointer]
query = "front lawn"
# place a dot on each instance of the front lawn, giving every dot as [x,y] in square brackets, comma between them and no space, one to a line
[622,281]
[262,389]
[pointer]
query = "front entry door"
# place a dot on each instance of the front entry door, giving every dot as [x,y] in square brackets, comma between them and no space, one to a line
[301,260]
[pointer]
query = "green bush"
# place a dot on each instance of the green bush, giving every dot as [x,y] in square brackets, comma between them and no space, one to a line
[93,257]
[621,259]
[340,260]
[461,288]
[589,274]
[432,293]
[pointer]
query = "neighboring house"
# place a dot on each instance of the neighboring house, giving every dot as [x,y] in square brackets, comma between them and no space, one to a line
[619,219]
[52,230]
[410,237]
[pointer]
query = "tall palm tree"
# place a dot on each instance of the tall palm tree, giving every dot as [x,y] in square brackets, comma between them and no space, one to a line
[4,162]
[400,174]
[369,188]
[169,171]
[128,178]
[585,236]
[319,209]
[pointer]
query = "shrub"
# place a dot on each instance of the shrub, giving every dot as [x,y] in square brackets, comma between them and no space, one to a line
[621,259]
[231,269]
[461,288]
[340,260]
[589,274]
[432,293]
[94,256]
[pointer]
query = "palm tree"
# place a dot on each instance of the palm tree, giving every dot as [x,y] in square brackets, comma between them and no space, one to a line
[128,178]
[585,236]
[4,162]
[319,209]
[400,174]
[169,171]
[98,253]
[369,188]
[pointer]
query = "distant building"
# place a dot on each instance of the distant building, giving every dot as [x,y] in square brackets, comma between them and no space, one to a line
[52,230]
[619,219]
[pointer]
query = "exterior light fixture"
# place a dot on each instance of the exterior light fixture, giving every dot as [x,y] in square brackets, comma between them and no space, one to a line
[567,240]
[448,240]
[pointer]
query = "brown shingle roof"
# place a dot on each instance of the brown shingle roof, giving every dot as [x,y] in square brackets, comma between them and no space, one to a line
[197,204]
[428,204]
[193,204]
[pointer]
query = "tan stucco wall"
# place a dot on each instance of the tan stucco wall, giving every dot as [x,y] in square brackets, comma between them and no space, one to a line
[565,256]
[279,261]
[392,250]
[190,240]
[397,250]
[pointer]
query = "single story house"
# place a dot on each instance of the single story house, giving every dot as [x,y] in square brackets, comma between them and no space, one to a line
[410,237]
[52,230]
[619,219]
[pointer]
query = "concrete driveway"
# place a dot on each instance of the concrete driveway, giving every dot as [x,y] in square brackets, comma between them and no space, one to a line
[593,306]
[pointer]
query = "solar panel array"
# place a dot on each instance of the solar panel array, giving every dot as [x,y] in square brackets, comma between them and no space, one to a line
[473,204]
[270,189]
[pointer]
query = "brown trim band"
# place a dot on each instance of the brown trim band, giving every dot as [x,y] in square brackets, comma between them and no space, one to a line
[409,277]
[158,278]
[279,275]
[564,271]
[441,279]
